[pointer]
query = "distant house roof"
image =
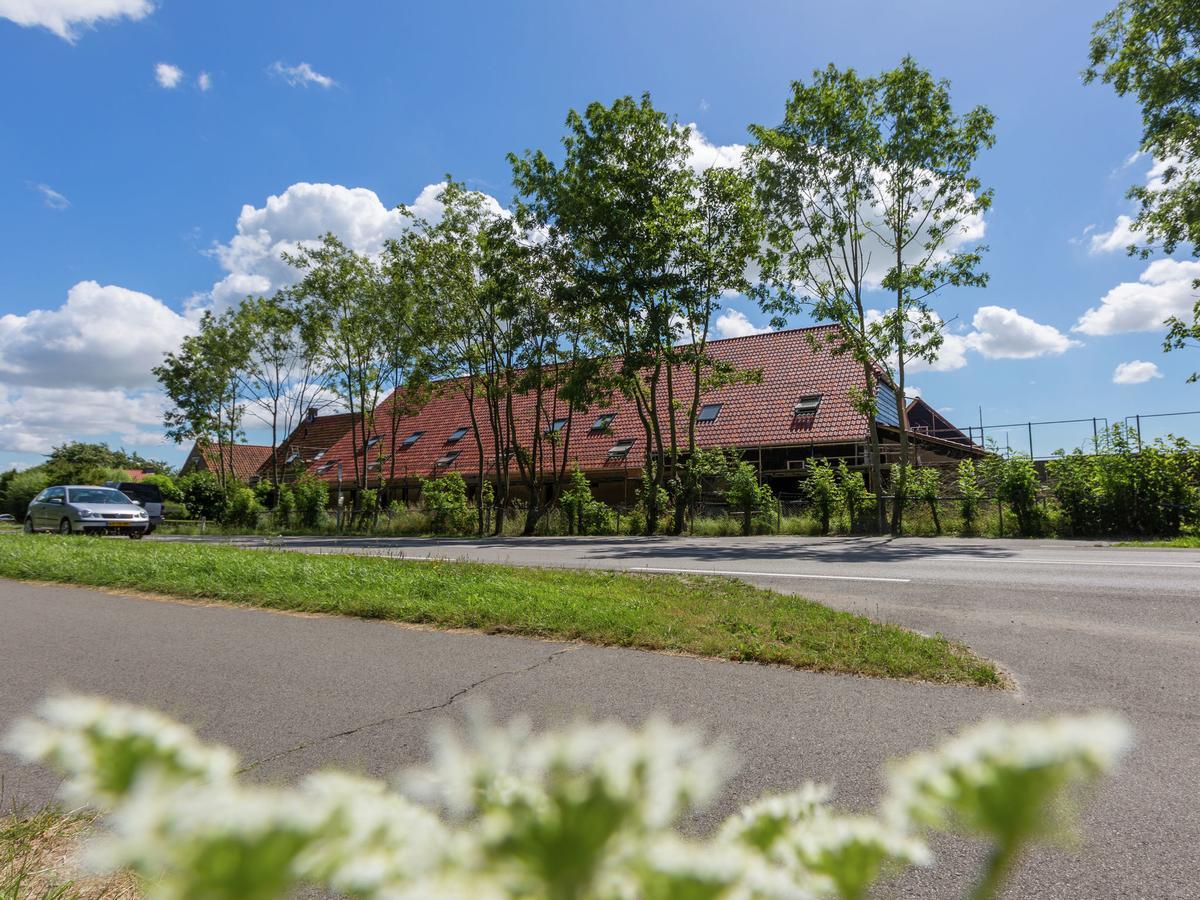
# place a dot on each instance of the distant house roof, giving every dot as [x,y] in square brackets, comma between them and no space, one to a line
[804,398]
[924,419]
[308,443]
[243,459]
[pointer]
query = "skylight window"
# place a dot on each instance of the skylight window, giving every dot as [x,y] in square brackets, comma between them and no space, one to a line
[457,435]
[373,441]
[411,439]
[603,421]
[556,425]
[709,412]
[292,457]
[321,470]
[620,448]
[318,454]
[442,461]
[807,405]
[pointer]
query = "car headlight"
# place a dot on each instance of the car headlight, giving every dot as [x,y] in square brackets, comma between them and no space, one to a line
[140,515]
[85,513]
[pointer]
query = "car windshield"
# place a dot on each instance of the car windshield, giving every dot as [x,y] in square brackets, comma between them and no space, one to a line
[97,495]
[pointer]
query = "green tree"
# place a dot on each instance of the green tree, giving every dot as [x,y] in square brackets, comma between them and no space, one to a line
[926,488]
[445,499]
[745,494]
[823,492]
[926,196]
[856,497]
[21,488]
[1017,484]
[1150,50]
[203,381]
[970,494]
[166,486]
[311,497]
[203,496]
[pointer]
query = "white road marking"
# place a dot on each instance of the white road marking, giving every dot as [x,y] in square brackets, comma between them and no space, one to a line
[738,574]
[1080,562]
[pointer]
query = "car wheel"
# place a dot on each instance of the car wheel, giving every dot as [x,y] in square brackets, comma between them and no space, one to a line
[136,535]
[64,527]
[29,524]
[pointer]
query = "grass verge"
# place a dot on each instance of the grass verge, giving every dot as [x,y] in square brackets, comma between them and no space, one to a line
[37,859]
[705,616]
[1185,540]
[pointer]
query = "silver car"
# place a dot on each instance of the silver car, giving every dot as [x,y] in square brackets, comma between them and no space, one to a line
[84,509]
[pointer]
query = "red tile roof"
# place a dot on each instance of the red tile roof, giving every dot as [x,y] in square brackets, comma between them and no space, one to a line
[311,439]
[794,363]
[244,459]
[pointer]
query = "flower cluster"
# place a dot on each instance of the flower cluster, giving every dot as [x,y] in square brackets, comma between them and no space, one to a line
[588,811]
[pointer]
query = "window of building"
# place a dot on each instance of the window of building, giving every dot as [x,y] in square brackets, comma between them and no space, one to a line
[322,469]
[318,455]
[292,457]
[373,441]
[457,435]
[411,439]
[621,448]
[556,425]
[442,461]
[807,404]
[709,412]
[603,421]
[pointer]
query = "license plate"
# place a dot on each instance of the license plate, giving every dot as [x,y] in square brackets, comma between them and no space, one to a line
[118,524]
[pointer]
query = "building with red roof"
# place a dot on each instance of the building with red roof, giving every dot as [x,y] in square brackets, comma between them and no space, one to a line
[799,406]
[243,459]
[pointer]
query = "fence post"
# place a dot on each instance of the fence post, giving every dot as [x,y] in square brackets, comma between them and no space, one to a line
[1000,510]
[1030,425]
[1138,417]
[1095,437]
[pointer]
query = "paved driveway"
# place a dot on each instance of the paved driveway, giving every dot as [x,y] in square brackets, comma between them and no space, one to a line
[1079,627]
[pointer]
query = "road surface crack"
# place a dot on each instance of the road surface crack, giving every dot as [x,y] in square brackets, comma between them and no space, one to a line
[461,692]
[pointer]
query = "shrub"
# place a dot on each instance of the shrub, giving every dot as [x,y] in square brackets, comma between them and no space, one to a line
[1074,484]
[202,496]
[285,505]
[857,500]
[311,496]
[749,498]
[241,506]
[822,490]
[445,499]
[1016,483]
[589,811]
[22,488]
[585,515]
[925,486]
[166,486]
[970,494]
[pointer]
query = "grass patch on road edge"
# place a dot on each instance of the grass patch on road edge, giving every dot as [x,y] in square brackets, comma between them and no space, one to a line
[704,616]
[1186,540]
[37,851]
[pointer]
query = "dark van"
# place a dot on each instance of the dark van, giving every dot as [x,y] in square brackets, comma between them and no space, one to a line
[147,496]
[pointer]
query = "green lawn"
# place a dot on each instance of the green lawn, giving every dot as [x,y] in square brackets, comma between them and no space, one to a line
[705,616]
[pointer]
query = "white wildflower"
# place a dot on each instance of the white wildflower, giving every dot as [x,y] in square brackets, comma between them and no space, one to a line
[102,748]
[762,823]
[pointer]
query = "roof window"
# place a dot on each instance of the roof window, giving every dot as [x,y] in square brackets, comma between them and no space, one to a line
[292,457]
[556,425]
[603,421]
[442,461]
[458,434]
[620,449]
[322,469]
[411,439]
[709,412]
[373,441]
[807,405]
[318,454]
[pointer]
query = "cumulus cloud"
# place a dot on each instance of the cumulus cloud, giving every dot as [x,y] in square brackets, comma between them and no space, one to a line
[1001,333]
[103,337]
[1164,289]
[1119,238]
[51,197]
[167,75]
[707,155]
[66,18]
[733,323]
[204,81]
[34,419]
[952,355]
[299,216]
[1135,372]
[301,75]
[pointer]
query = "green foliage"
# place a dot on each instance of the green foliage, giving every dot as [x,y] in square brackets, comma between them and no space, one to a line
[588,811]
[1125,490]
[311,496]
[747,496]
[203,496]
[242,506]
[445,499]
[166,486]
[75,461]
[970,494]
[857,500]
[22,487]
[285,505]
[585,514]
[1015,482]
[925,486]
[823,491]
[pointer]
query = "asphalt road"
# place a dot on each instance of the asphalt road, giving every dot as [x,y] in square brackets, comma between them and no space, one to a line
[1078,626]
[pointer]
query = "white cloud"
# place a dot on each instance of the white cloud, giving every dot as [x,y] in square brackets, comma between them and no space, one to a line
[34,419]
[103,337]
[1119,238]
[301,75]
[167,75]
[912,392]
[66,17]
[1135,372]
[952,355]
[733,323]
[1164,289]
[1006,334]
[707,155]
[300,216]
[53,198]
[204,81]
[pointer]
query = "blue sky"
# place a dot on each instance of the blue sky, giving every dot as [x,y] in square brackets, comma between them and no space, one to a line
[139,151]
